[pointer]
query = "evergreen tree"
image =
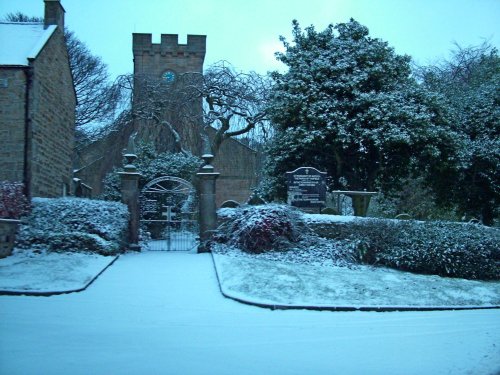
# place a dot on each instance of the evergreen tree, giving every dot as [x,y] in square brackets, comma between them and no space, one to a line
[348,105]
[470,82]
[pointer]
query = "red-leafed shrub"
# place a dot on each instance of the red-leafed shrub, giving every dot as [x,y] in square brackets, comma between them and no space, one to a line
[257,229]
[13,202]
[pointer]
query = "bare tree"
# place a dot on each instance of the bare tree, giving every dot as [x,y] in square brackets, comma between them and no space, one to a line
[234,103]
[222,103]
[155,101]
[21,17]
[97,97]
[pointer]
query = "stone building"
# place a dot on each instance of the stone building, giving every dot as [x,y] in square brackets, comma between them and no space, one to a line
[235,161]
[165,61]
[156,68]
[37,105]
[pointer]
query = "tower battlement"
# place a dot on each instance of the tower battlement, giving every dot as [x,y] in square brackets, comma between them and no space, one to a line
[142,43]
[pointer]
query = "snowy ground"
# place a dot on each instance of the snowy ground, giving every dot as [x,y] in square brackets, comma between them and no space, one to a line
[45,272]
[162,313]
[280,278]
[304,277]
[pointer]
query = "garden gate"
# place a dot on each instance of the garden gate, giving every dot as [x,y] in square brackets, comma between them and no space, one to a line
[169,214]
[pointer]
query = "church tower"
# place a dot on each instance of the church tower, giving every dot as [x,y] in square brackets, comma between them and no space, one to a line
[169,58]
[166,61]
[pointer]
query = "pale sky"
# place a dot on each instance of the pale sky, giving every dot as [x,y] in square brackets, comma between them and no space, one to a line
[246,32]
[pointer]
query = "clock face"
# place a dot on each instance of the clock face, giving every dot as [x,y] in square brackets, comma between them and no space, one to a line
[168,76]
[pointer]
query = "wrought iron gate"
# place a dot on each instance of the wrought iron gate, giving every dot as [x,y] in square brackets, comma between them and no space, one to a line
[169,214]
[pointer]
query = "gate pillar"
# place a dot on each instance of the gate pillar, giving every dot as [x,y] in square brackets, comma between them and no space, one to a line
[130,194]
[208,208]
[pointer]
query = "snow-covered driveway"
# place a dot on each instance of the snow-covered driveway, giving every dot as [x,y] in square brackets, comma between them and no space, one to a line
[162,313]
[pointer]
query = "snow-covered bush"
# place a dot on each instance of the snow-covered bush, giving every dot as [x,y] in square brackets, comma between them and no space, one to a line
[152,164]
[13,202]
[262,228]
[442,248]
[75,224]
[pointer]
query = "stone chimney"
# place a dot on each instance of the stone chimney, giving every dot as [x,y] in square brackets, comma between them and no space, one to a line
[54,14]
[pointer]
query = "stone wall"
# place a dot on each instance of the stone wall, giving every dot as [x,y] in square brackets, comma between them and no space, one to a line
[52,113]
[48,121]
[12,120]
[237,165]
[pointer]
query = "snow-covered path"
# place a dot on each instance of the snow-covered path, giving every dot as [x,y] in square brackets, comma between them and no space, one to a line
[162,313]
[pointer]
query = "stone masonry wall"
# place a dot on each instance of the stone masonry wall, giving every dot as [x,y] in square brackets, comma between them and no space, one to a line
[237,165]
[52,112]
[12,116]
[153,59]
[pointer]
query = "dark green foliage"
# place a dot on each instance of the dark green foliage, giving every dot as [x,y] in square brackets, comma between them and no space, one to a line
[152,165]
[415,199]
[468,251]
[348,104]
[469,81]
[329,211]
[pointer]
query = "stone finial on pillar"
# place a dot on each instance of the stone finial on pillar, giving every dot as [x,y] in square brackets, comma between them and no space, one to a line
[130,193]
[208,208]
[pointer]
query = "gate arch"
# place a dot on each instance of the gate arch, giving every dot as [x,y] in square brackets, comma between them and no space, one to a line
[169,214]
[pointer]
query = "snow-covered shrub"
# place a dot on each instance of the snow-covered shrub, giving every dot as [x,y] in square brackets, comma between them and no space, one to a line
[13,202]
[442,248]
[152,164]
[262,228]
[75,224]
[111,186]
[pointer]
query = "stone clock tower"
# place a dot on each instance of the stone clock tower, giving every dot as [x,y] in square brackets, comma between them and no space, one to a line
[166,61]
[168,58]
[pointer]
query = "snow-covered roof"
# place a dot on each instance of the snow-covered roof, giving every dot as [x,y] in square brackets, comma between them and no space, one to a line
[21,41]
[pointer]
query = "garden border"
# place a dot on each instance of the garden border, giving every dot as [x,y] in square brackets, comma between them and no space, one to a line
[57,292]
[343,308]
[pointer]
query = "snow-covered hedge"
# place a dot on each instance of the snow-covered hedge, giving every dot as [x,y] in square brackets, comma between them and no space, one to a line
[450,249]
[468,251]
[75,224]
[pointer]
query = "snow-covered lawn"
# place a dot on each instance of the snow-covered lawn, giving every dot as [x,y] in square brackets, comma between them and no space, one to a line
[289,279]
[46,272]
[162,313]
